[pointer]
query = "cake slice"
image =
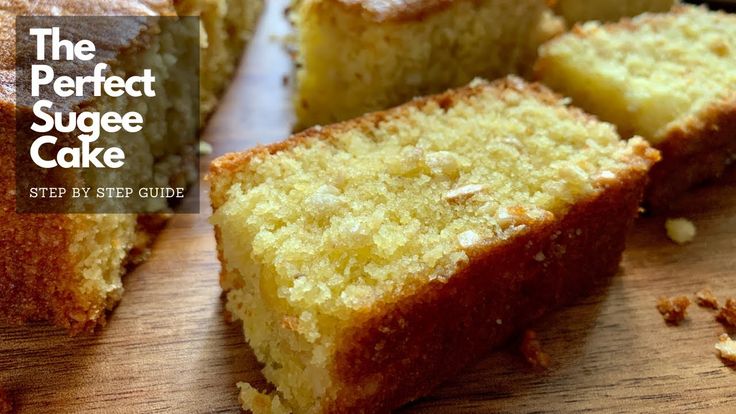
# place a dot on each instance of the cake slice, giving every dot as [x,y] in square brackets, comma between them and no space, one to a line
[356,56]
[371,259]
[67,268]
[575,11]
[670,78]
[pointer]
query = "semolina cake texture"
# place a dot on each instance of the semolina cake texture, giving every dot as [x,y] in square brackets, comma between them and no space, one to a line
[357,56]
[576,11]
[371,259]
[669,77]
[67,268]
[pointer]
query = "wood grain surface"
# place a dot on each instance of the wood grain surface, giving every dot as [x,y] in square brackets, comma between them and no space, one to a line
[167,347]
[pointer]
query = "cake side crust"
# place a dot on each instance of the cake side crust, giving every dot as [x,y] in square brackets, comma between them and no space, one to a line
[693,152]
[435,332]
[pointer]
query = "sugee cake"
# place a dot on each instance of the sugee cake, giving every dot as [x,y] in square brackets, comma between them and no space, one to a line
[668,77]
[371,259]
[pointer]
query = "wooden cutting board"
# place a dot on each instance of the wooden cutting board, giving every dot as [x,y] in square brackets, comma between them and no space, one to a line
[167,347]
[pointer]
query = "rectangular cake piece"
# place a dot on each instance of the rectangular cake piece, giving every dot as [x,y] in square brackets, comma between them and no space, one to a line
[575,11]
[67,268]
[371,259]
[670,78]
[356,56]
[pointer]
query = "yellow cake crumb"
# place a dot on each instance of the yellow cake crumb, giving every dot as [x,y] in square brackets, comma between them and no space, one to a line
[259,403]
[726,347]
[706,298]
[727,313]
[680,230]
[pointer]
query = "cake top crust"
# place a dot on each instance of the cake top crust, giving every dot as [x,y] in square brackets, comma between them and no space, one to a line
[105,43]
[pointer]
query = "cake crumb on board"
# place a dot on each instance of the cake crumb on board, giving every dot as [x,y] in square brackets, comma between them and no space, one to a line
[673,310]
[727,313]
[531,348]
[706,299]
[726,348]
[204,148]
[680,230]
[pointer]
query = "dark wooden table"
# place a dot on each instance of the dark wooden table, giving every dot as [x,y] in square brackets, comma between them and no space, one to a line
[167,347]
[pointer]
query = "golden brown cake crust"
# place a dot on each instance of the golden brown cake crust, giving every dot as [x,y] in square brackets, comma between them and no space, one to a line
[435,332]
[699,150]
[90,7]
